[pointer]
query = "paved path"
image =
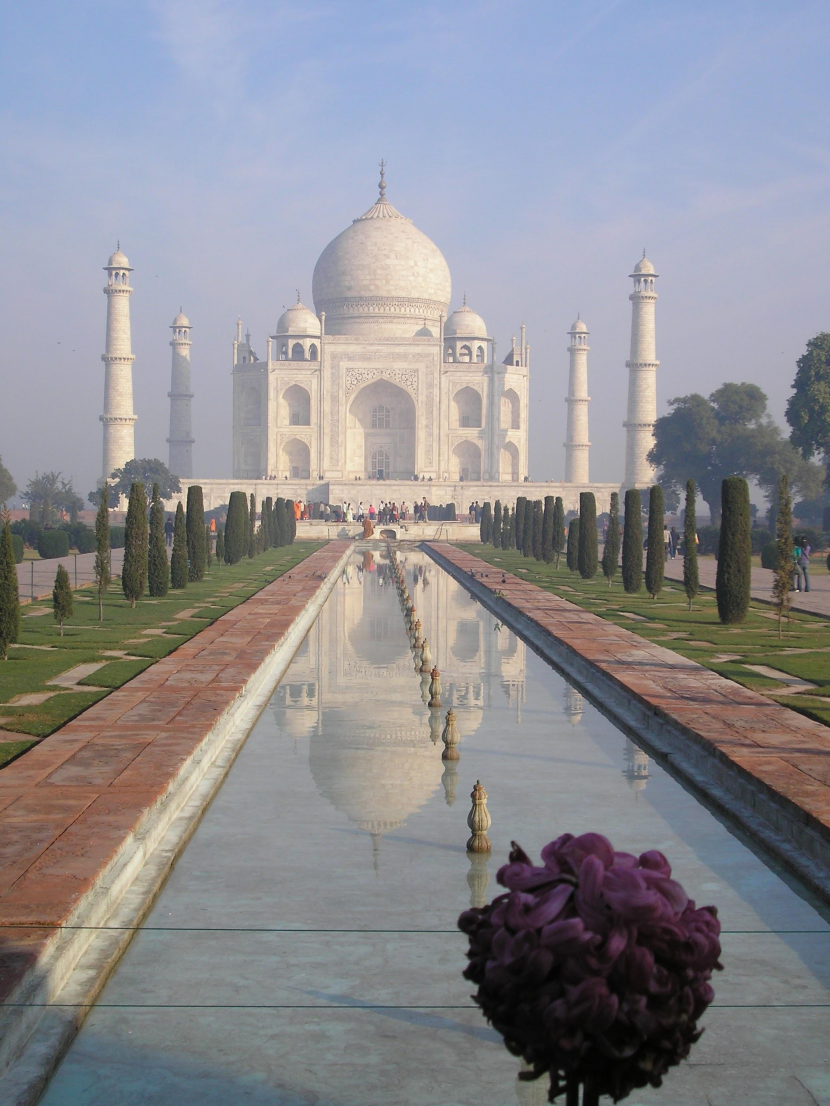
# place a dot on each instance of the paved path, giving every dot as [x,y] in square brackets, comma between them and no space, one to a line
[815,601]
[781,758]
[37,578]
[78,806]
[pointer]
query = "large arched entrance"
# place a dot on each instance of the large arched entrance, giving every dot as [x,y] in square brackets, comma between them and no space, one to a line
[296,460]
[380,433]
[466,461]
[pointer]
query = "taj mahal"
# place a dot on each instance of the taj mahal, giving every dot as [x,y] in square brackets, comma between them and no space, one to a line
[383,381]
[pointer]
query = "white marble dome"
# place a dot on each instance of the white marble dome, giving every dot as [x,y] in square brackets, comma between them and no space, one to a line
[298,319]
[379,275]
[181,320]
[643,266]
[118,260]
[578,327]
[465,323]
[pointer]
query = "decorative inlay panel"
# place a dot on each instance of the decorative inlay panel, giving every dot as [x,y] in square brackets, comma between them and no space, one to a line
[356,378]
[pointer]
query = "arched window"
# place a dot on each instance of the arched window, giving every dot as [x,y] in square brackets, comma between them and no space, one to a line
[381,419]
[381,465]
[297,352]
[297,409]
[449,356]
[283,353]
[479,354]
[465,354]
[312,352]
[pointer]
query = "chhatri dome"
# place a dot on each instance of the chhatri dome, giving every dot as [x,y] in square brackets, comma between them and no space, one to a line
[465,323]
[298,319]
[643,266]
[381,276]
[118,260]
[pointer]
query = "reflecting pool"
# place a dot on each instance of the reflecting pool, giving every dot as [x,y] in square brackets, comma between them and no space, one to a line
[304,949]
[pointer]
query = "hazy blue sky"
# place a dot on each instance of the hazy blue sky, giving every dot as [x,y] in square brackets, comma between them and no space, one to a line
[540,144]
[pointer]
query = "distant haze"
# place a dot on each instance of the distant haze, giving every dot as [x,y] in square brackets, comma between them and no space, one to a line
[540,145]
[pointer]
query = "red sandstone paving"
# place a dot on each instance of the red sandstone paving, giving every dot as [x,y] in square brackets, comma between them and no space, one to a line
[787,752]
[69,805]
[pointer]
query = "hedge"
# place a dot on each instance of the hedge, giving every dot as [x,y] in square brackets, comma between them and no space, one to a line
[17,545]
[86,542]
[118,535]
[53,543]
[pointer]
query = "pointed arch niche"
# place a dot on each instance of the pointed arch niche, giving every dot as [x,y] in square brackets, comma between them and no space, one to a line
[381,421]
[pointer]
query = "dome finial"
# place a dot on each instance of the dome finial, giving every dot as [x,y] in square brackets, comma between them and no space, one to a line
[118,244]
[297,290]
[644,251]
[464,304]
[382,182]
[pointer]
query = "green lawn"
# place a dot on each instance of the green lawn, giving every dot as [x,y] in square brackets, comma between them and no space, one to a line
[697,634]
[41,654]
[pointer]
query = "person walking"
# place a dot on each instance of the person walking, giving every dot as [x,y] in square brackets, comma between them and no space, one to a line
[804,563]
[796,573]
[674,541]
[168,531]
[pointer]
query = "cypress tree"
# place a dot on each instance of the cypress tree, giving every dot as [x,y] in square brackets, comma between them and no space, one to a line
[485,527]
[195,525]
[691,581]
[220,546]
[506,523]
[519,523]
[269,520]
[632,554]
[656,551]
[266,526]
[178,558]
[208,547]
[62,597]
[103,557]
[134,570]
[281,528]
[783,580]
[733,581]
[547,529]
[292,520]
[588,549]
[611,552]
[495,536]
[526,545]
[235,528]
[536,539]
[558,528]
[572,556]
[9,594]
[252,526]
[158,571]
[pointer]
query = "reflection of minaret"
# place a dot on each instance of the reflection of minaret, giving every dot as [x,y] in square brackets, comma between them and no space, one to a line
[636,766]
[577,444]
[573,705]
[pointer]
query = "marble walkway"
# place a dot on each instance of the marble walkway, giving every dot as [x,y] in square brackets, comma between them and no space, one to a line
[783,757]
[72,803]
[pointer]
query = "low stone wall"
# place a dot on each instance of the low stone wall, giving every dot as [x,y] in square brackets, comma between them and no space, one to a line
[92,819]
[401,531]
[762,765]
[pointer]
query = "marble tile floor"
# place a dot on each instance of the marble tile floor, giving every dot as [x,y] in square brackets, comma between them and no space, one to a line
[304,950]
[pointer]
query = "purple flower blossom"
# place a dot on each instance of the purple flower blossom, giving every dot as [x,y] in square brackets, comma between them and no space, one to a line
[595,967]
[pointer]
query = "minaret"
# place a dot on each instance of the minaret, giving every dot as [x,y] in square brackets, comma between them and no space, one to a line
[181,433]
[642,378]
[577,444]
[118,417]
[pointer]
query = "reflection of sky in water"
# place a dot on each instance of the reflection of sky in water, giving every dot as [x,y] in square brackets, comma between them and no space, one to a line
[326,877]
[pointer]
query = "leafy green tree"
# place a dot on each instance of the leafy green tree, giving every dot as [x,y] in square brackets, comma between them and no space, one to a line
[558,528]
[588,555]
[729,433]
[220,547]
[519,522]
[47,495]
[485,527]
[611,550]
[572,554]
[134,569]
[178,557]
[146,471]
[208,548]
[495,535]
[195,525]
[158,571]
[103,556]
[281,528]
[252,526]
[632,554]
[733,580]
[8,488]
[783,580]
[538,526]
[9,594]
[691,579]
[62,597]
[547,529]
[236,536]
[808,409]
[656,551]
